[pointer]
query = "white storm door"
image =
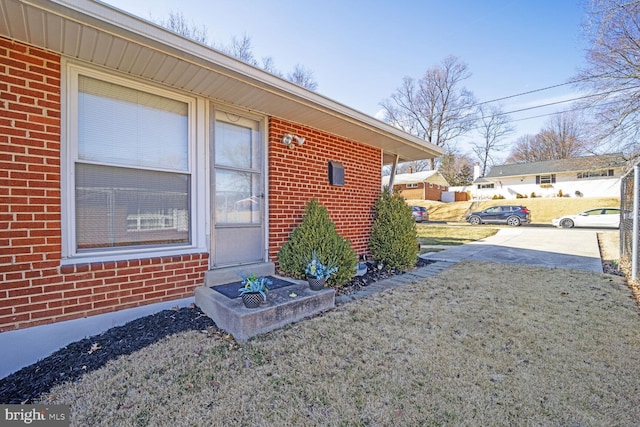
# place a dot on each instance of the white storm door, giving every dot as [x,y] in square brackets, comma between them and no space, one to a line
[238,191]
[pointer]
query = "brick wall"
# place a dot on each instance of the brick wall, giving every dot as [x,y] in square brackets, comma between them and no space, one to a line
[421,193]
[412,193]
[299,174]
[34,288]
[433,193]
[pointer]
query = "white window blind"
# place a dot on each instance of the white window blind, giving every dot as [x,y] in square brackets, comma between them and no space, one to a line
[124,126]
[132,174]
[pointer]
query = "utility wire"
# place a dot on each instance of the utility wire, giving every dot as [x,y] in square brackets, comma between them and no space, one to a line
[553,114]
[567,100]
[532,91]
[548,104]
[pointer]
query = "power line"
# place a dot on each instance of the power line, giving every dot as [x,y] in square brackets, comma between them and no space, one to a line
[547,105]
[568,100]
[531,91]
[554,113]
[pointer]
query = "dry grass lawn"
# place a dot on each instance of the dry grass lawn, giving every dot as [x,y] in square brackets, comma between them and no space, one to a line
[480,344]
[452,234]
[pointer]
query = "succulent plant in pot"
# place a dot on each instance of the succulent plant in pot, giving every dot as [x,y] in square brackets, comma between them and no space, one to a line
[254,290]
[318,273]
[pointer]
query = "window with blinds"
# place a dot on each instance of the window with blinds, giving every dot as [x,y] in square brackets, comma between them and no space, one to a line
[132,175]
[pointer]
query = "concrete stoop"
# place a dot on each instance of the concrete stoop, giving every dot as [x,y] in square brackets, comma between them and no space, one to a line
[279,310]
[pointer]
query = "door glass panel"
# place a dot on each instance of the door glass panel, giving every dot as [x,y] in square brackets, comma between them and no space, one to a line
[237,199]
[235,146]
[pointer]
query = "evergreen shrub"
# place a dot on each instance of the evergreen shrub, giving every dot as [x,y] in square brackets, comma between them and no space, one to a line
[394,238]
[317,233]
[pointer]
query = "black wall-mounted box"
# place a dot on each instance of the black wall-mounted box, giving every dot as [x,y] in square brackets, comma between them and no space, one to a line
[336,173]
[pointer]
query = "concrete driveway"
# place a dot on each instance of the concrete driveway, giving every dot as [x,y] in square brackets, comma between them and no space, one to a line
[543,246]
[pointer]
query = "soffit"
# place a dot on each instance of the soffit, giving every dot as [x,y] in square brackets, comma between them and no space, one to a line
[100,34]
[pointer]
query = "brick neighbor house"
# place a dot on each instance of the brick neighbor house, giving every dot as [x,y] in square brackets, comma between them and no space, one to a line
[137,164]
[423,185]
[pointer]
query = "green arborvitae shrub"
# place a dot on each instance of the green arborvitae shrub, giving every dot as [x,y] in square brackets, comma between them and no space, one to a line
[394,238]
[317,233]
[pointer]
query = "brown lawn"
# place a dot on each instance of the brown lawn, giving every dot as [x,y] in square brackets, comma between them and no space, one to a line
[479,344]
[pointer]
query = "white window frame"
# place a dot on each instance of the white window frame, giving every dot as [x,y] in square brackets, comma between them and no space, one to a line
[412,185]
[198,152]
[486,186]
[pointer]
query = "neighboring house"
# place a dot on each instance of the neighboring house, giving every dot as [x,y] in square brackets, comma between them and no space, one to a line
[425,185]
[590,176]
[137,164]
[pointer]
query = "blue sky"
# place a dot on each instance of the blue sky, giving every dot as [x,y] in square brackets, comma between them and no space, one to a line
[360,50]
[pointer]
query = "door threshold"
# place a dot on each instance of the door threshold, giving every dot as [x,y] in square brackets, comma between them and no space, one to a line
[234,273]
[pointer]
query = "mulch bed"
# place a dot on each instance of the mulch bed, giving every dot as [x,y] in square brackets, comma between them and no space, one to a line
[76,359]
[89,354]
[374,275]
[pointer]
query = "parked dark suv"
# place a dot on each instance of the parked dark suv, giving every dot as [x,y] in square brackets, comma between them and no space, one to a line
[510,215]
[420,213]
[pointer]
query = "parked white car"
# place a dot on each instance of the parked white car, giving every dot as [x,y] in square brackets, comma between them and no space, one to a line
[598,217]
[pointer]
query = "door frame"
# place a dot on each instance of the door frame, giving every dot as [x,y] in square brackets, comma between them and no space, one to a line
[261,121]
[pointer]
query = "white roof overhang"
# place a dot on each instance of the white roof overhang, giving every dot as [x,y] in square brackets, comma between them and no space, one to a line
[101,34]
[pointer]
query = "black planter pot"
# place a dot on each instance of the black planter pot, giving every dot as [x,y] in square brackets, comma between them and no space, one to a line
[316,284]
[252,300]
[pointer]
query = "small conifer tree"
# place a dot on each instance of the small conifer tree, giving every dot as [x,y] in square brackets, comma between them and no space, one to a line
[317,233]
[394,238]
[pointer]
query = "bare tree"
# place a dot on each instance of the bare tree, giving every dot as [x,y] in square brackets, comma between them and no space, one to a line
[269,66]
[523,150]
[613,71]
[562,137]
[494,127]
[177,23]
[435,108]
[240,48]
[456,168]
[302,77]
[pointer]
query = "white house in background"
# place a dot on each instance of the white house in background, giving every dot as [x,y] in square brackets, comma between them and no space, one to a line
[590,176]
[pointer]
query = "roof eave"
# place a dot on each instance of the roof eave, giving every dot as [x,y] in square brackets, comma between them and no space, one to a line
[74,28]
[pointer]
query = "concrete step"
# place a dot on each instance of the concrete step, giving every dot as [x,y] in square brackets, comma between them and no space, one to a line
[280,309]
[220,276]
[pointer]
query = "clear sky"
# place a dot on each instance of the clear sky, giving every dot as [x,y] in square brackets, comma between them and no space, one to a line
[360,50]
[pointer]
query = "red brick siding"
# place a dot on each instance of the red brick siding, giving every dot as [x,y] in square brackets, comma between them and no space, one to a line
[411,193]
[421,193]
[34,288]
[433,193]
[296,175]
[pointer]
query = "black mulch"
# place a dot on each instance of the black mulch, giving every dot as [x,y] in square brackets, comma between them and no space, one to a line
[89,354]
[76,359]
[375,275]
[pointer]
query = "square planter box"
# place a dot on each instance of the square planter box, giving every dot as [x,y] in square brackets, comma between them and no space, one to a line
[280,309]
